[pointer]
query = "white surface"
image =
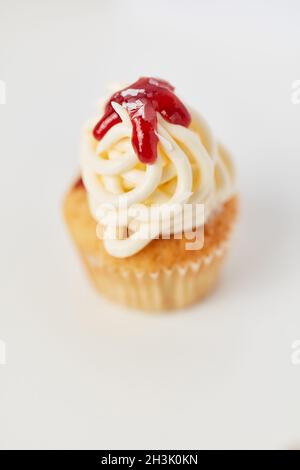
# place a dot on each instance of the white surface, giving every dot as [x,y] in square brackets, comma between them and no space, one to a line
[80,372]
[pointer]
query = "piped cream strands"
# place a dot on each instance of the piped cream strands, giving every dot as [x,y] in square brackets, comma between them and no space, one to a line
[191,168]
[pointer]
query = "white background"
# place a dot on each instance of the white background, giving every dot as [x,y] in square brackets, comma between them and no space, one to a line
[81,372]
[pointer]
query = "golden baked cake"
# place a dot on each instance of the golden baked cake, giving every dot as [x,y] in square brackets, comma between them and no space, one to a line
[154,207]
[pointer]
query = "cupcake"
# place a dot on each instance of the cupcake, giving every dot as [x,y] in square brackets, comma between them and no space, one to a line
[153,209]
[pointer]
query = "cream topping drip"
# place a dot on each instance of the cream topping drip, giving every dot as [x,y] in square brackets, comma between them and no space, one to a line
[191,168]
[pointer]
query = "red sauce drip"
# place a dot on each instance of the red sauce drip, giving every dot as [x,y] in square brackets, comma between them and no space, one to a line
[78,184]
[143,99]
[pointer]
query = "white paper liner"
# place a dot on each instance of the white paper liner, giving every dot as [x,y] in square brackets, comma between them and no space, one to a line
[194,266]
[163,289]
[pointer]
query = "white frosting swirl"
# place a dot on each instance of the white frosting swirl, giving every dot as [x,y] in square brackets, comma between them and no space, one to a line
[191,168]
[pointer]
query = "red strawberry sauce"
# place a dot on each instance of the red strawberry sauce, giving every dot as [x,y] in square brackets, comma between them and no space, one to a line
[142,100]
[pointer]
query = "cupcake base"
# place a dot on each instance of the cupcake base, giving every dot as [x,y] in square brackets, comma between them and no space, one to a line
[164,275]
